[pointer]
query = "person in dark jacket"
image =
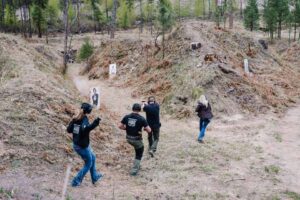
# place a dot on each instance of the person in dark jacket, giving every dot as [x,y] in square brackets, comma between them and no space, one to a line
[81,128]
[133,124]
[205,114]
[152,115]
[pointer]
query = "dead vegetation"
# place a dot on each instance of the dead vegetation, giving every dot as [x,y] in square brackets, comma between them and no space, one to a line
[216,68]
[36,104]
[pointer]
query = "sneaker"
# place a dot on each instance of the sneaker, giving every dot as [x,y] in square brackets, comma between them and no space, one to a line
[99,178]
[73,184]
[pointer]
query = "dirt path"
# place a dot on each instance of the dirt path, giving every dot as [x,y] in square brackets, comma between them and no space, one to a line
[242,157]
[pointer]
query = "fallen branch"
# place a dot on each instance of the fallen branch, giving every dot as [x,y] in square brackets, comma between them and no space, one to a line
[235,179]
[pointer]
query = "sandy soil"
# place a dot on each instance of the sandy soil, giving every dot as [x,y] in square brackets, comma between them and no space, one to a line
[244,157]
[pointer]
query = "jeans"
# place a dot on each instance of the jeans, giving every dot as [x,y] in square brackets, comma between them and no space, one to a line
[89,158]
[153,138]
[203,126]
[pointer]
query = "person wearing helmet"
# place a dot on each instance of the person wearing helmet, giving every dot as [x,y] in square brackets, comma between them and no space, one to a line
[152,115]
[133,124]
[205,114]
[81,128]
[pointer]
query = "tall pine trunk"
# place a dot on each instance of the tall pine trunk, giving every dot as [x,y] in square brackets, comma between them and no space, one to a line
[141,16]
[295,31]
[241,9]
[113,21]
[78,16]
[66,23]
[279,27]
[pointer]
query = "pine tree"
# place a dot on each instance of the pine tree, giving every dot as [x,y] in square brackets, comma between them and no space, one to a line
[251,15]
[165,19]
[198,8]
[38,15]
[282,9]
[125,17]
[270,17]
[296,18]
[52,12]
[86,50]
[10,19]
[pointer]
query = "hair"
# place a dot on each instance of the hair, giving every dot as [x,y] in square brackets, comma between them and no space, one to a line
[203,100]
[151,99]
[136,107]
[79,115]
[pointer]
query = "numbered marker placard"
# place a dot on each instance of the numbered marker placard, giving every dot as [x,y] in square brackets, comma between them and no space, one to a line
[95,97]
[112,69]
[246,66]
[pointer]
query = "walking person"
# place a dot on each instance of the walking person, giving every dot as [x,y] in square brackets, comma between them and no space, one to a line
[152,110]
[81,128]
[133,124]
[205,114]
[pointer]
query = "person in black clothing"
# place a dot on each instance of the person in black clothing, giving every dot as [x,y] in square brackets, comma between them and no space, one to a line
[133,124]
[204,113]
[81,128]
[152,115]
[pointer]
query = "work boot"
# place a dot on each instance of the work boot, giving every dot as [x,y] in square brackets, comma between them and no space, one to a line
[136,167]
[151,153]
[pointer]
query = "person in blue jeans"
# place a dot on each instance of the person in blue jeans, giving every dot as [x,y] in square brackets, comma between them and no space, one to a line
[205,114]
[81,128]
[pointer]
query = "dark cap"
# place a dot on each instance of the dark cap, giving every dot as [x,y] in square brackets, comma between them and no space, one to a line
[87,108]
[136,107]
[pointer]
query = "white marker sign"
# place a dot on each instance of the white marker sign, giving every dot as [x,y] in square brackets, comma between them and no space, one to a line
[112,69]
[95,97]
[246,66]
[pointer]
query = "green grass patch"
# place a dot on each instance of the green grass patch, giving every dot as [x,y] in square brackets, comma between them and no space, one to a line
[272,169]
[292,195]
[278,137]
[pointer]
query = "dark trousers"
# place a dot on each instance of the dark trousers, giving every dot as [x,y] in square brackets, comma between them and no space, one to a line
[138,147]
[153,138]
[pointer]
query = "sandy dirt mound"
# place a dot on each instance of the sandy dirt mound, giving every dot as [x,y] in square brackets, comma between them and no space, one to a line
[215,69]
[36,104]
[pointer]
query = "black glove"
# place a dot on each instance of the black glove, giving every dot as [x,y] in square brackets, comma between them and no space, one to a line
[97,121]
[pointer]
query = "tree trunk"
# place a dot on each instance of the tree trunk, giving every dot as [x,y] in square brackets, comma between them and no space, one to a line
[29,19]
[179,10]
[22,20]
[2,13]
[39,30]
[241,9]
[295,31]
[279,28]
[209,9]
[271,35]
[203,1]
[66,20]
[231,20]
[113,21]
[78,16]
[163,42]
[106,11]
[141,16]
